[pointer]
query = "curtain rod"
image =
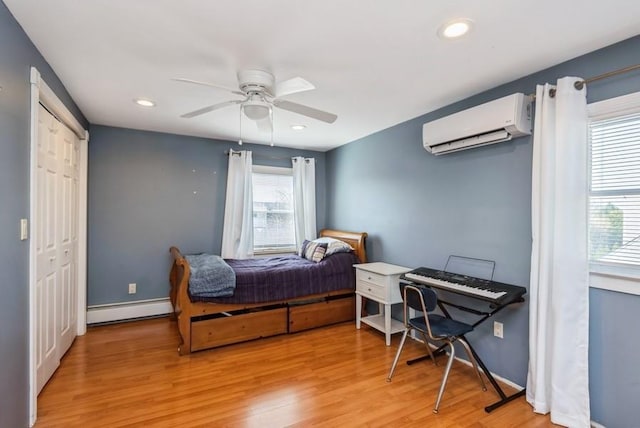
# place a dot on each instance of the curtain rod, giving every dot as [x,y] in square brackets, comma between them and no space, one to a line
[579,84]
[258,155]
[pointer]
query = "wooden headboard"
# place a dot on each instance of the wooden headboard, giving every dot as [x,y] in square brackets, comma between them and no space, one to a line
[355,239]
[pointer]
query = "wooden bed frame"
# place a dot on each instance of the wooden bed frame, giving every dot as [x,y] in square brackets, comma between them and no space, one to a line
[204,325]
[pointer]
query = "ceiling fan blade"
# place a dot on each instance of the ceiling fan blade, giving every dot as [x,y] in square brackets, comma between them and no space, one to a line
[210,108]
[306,111]
[291,86]
[211,85]
[264,125]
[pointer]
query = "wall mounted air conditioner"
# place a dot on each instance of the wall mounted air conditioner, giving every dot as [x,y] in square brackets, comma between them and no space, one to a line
[496,121]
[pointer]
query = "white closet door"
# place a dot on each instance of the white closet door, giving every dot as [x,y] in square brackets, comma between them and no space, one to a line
[56,243]
[47,276]
[68,249]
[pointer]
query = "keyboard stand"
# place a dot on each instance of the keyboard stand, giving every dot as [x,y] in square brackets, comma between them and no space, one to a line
[484,315]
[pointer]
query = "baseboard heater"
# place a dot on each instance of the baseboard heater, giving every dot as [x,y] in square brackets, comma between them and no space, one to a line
[128,310]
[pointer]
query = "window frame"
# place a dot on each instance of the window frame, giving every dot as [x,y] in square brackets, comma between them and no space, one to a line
[608,276]
[273,170]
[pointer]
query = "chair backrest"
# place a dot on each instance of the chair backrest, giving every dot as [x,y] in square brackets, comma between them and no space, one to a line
[422,299]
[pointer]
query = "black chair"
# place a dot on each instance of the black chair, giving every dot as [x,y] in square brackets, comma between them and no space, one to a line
[433,326]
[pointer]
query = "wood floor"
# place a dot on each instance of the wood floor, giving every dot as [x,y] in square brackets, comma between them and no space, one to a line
[130,375]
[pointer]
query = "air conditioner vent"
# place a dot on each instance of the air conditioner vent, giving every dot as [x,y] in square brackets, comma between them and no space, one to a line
[493,122]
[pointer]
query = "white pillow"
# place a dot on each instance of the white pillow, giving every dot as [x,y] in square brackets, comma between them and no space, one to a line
[334,245]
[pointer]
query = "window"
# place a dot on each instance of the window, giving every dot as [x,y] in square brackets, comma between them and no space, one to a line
[614,191]
[273,221]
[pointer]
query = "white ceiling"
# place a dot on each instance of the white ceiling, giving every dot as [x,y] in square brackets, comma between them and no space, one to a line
[375,63]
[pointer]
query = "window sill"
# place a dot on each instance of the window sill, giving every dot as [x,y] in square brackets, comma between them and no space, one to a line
[270,253]
[622,280]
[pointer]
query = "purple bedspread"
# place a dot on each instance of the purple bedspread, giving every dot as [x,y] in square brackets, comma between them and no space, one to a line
[274,279]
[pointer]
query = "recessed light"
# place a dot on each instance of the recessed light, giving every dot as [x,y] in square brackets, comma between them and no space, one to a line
[298,127]
[455,29]
[144,102]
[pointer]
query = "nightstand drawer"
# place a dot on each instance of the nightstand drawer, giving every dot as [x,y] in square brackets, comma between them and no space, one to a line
[371,277]
[369,289]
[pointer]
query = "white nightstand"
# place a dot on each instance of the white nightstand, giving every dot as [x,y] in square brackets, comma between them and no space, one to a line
[379,282]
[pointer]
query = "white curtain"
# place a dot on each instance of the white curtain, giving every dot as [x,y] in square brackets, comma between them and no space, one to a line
[237,234]
[557,380]
[304,198]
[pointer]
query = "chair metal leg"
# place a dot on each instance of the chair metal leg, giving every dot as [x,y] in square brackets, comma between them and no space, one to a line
[395,361]
[426,343]
[445,376]
[473,362]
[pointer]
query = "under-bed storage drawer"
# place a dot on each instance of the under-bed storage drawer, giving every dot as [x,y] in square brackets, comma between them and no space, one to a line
[237,328]
[304,317]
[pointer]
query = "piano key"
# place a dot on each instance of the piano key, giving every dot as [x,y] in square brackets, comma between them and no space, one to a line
[455,286]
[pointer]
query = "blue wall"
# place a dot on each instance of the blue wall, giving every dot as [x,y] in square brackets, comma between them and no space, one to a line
[17,55]
[142,201]
[418,209]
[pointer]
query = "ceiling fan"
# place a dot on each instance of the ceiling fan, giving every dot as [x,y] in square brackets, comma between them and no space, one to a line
[260,94]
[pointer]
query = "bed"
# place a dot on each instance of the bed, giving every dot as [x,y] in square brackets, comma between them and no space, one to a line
[317,299]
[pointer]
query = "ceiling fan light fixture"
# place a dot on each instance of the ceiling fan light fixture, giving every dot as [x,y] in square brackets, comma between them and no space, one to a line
[256,110]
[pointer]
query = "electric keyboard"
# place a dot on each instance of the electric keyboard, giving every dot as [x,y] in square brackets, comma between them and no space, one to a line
[490,291]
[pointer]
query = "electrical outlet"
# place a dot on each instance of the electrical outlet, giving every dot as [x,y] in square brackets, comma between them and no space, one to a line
[498,329]
[132,288]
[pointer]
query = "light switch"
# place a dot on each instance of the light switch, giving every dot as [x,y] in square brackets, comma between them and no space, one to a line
[24,231]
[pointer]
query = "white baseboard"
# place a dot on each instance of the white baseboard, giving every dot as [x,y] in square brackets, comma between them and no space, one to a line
[468,363]
[495,376]
[128,310]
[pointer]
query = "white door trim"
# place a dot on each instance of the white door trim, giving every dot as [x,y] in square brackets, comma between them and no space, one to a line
[42,93]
